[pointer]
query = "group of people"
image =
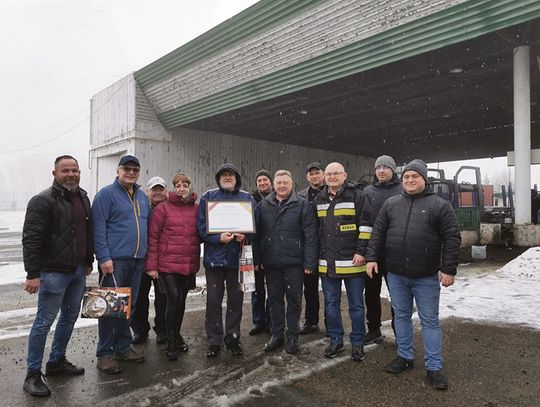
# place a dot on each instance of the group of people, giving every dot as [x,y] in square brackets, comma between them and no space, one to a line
[333,231]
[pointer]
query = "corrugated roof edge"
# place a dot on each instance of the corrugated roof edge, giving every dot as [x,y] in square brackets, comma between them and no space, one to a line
[257,18]
[456,24]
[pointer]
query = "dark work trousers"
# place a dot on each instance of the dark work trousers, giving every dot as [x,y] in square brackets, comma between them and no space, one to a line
[284,283]
[216,279]
[260,312]
[139,322]
[176,290]
[311,295]
[373,299]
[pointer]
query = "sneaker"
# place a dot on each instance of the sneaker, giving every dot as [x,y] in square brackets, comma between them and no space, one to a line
[63,367]
[333,350]
[139,339]
[273,344]
[182,345]
[357,353]
[292,345]
[373,336]
[160,339]
[108,365]
[399,365]
[437,379]
[233,347]
[35,386]
[308,329]
[213,351]
[130,356]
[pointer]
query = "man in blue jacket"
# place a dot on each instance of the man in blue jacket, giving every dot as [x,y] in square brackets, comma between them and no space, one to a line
[221,255]
[120,217]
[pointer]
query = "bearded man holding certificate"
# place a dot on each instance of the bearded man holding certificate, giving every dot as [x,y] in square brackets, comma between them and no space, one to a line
[225,219]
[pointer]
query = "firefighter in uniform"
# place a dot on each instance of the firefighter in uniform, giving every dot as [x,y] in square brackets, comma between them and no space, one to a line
[341,258]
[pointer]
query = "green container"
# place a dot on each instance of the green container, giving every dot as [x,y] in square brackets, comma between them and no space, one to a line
[468,218]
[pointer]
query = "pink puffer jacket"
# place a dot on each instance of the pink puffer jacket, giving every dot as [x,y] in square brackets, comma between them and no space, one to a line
[173,240]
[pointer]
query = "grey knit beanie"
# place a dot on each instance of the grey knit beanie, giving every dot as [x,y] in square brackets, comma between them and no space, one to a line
[266,173]
[417,165]
[387,161]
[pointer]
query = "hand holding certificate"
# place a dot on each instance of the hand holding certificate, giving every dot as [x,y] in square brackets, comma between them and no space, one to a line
[235,217]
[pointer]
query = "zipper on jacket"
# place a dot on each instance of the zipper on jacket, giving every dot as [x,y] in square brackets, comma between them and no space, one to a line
[407,223]
[136,217]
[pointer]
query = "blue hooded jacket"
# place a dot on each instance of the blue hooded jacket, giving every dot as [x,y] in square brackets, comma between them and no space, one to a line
[217,254]
[120,223]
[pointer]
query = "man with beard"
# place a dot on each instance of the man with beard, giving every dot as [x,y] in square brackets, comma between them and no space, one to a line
[58,254]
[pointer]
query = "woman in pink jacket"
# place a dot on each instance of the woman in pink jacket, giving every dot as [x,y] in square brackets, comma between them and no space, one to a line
[174,255]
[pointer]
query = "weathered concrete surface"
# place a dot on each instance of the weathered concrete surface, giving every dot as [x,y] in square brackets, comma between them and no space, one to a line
[487,365]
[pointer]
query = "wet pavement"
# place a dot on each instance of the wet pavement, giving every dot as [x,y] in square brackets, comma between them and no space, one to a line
[488,365]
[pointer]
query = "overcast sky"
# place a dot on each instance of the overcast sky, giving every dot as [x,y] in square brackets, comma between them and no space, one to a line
[57,54]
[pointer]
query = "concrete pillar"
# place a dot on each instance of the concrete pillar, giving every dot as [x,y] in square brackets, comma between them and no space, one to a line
[522,135]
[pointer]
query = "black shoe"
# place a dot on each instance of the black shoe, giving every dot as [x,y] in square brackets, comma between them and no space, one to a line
[256,330]
[171,355]
[140,338]
[292,345]
[62,367]
[373,336]
[399,365]
[182,345]
[333,350]
[35,386]
[160,339]
[233,347]
[437,379]
[308,329]
[273,344]
[357,353]
[213,351]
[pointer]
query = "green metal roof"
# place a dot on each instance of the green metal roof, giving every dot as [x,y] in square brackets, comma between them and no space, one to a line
[255,19]
[456,24]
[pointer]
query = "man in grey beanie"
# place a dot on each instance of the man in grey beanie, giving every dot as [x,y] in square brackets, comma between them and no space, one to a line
[419,235]
[385,184]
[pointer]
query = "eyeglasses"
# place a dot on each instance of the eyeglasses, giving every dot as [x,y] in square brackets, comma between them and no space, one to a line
[333,174]
[130,169]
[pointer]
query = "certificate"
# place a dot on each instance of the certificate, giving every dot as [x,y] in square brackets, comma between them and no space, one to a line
[230,216]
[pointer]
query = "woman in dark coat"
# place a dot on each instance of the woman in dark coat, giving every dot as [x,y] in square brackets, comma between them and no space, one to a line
[174,255]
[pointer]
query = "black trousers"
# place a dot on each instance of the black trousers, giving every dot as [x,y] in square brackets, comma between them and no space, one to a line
[311,295]
[260,312]
[216,279]
[139,321]
[373,299]
[176,290]
[284,283]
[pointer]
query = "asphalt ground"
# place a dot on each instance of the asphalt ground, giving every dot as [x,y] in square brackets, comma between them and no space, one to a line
[487,365]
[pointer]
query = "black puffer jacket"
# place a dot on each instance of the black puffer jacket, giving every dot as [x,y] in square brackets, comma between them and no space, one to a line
[373,198]
[48,233]
[286,234]
[417,234]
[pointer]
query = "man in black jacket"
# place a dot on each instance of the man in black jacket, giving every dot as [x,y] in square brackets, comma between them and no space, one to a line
[418,234]
[260,312]
[58,254]
[286,247]
[341,258]
[385,185]
[315,178]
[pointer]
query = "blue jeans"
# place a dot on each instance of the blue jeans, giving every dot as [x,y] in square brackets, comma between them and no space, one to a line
[57,292]
[332,306]
[426,293]
[114,333]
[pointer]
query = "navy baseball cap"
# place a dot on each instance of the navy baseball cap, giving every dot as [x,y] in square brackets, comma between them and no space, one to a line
[129,159]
